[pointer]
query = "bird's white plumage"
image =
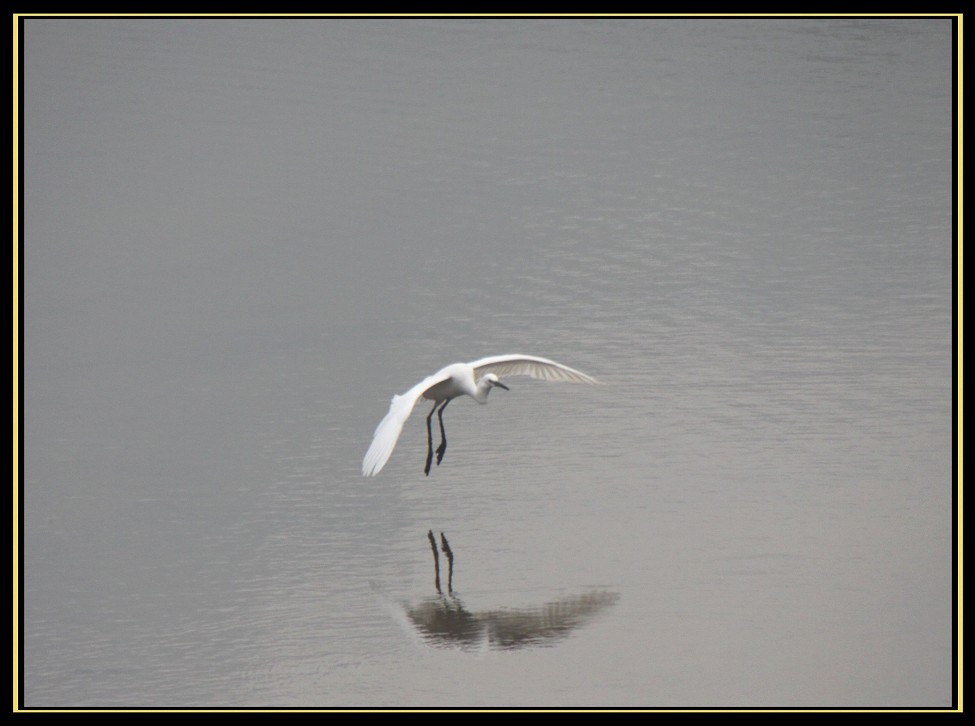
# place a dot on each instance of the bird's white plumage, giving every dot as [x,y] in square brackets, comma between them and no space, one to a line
[456,380]
[527,365]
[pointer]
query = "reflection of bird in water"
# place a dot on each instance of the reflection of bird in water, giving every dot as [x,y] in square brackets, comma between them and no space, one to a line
[445,621]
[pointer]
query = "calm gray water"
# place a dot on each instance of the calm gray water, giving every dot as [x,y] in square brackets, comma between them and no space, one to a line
[241,237]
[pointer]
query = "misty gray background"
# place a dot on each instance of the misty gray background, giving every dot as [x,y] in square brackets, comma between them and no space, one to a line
[241,237]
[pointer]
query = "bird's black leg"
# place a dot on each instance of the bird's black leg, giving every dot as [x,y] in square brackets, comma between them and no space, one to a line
[426,469]
[442,449]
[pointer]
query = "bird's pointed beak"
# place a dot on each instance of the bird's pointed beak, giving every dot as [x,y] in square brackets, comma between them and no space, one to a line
[499,384]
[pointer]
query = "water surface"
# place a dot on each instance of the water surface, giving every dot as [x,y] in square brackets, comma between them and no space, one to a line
[241,237]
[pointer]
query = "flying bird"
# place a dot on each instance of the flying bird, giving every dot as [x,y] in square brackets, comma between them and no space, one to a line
[475,379]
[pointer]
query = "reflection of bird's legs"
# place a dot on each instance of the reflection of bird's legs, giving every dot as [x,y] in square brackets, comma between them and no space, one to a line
[442,449]
[426,470]
[450,560]
[436,560]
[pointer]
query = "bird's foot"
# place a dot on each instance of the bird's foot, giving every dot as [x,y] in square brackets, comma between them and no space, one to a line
[441,450]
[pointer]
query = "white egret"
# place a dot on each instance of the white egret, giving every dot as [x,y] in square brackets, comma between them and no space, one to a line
[475,379]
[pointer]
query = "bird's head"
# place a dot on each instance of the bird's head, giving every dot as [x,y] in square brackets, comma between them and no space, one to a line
[485,384]
[492,380]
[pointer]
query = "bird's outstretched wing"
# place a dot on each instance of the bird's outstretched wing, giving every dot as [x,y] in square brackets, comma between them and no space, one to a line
[515,364]
[388,431]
